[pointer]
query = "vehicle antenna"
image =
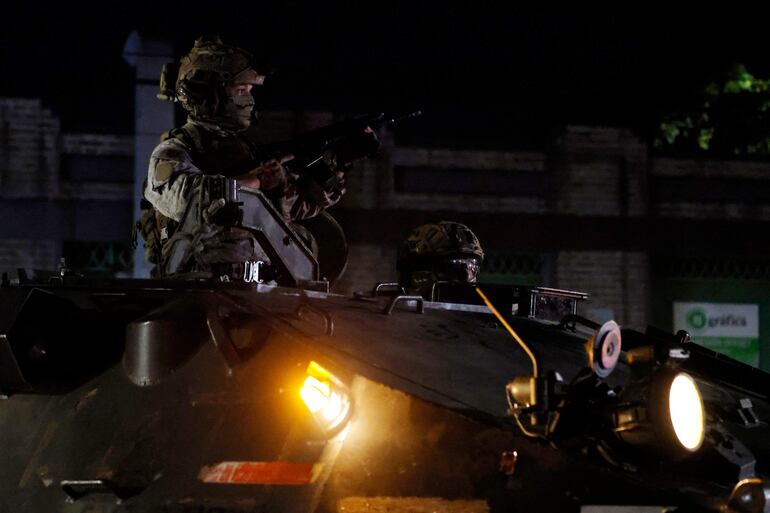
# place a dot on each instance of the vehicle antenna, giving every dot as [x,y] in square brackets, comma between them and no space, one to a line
[510,330]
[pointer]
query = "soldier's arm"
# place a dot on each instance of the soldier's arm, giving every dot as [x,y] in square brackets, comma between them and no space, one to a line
[268,176]
[171,179]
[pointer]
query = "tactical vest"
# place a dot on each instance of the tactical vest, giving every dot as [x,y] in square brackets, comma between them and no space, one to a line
[155,229]
[211,152]
[215,153]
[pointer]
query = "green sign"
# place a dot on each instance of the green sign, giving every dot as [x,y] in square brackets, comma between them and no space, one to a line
[729,328]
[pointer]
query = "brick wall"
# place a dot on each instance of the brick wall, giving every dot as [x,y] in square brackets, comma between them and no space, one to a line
[467,161]
[363,184]
[718,189]
[35,190]
[29,154]
[31,147]
[97,144]
[98,147]
[756,170]
[599,171]
[28,254]
[367,265]
[618,283]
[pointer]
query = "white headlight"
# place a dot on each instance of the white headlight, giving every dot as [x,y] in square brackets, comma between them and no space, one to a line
[685,408]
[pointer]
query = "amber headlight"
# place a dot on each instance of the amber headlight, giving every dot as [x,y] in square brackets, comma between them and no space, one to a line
[326,397]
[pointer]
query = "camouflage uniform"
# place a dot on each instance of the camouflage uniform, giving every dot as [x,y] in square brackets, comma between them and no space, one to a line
[187,155]
[213,142]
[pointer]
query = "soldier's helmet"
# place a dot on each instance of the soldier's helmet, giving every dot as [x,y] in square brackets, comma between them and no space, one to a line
[443,251]
[199,84]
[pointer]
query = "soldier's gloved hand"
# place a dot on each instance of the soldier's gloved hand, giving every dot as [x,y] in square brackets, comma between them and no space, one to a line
[210,214]
[335,187]
[267,176]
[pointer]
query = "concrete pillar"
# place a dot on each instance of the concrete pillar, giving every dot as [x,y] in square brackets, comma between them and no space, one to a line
[152,116]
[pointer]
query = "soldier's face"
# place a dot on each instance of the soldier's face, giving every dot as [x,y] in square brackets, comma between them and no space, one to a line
[239,90]
[240,104]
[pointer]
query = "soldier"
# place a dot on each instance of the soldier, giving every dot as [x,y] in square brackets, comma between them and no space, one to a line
[438,252]
[213,85]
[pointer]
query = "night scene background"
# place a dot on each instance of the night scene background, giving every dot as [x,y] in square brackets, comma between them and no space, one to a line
[623,153]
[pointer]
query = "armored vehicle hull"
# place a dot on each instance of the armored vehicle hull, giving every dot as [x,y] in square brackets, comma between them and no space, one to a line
[143,395]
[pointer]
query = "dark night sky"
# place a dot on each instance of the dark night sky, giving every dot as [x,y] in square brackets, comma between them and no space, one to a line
[486,73]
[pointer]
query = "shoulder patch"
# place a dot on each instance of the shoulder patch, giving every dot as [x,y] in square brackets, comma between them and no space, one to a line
[163,170]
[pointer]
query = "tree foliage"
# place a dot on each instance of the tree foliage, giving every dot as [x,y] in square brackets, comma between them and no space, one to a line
[730,116]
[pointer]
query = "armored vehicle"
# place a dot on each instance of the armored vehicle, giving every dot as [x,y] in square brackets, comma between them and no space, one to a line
[197,396]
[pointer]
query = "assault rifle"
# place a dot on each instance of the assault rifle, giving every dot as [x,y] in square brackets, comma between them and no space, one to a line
[318,152]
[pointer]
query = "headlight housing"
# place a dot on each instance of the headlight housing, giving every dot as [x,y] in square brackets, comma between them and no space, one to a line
[663,411]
